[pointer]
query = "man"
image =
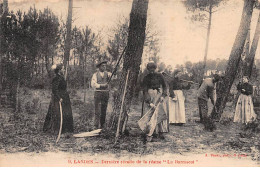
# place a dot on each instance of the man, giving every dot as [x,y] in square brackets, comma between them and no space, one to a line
[206,91]
[99,82]
[155,120]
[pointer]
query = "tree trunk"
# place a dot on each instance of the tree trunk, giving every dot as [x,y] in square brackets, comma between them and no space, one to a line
[74,59]
[68,36]
[43,67]
[38,66]
[1,77]
[84,78]
[234,59]
[132,60]
[5,6]
[245,54]
[17,104]
[207,40]
[47,66]
[1,55]
[251,57]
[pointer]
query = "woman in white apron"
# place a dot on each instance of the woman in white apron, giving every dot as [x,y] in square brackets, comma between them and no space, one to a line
[176,101]
[244,109]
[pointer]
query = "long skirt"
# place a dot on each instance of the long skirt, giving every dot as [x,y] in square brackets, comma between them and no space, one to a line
[155,119]
[177,108]
[53,117]
[244,110]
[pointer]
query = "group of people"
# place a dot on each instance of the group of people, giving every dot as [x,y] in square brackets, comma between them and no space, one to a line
[165,109]
[165,101]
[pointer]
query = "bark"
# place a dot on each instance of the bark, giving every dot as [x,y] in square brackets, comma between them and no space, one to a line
[208,35]
[43,67]
[1,74]
[38,67]
[68,36]
[47,66]
[1,54]
[234,59]
[251,57]
[132,61]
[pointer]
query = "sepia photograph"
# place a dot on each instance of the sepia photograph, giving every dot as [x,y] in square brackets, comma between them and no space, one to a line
[129,83]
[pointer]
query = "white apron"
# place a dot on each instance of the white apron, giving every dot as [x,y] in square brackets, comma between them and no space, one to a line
[244,109]
[177,108]
[155,120]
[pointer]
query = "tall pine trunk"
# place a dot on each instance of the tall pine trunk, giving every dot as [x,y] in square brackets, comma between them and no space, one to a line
[47,66]
[68,36]
[251,57]
[207,40]
[132,60]
[234,59]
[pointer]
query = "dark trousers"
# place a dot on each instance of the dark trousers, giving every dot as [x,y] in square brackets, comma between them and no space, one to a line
[204,118]
[101,101]
[203,109]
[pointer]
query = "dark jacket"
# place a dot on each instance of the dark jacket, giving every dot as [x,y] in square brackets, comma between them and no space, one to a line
[176,84]
[154,81]
[206,90]
[245,88]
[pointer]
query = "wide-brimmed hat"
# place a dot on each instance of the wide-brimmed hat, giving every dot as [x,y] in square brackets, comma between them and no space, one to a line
[100,63]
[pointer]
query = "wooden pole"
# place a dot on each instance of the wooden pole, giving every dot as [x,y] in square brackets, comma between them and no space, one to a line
[121,109]
[116,65]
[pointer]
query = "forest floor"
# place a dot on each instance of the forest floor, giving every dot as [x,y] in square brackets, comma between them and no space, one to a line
[22,142]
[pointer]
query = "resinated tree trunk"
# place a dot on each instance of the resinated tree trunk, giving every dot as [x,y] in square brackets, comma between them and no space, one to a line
[234,59]
[251,57]
[132,61]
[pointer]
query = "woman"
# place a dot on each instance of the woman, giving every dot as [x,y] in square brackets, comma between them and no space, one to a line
[59,95]
[176,100]
[154,122]
[244,109]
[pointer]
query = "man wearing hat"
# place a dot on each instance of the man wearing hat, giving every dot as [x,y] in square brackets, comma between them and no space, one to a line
[206,91]
[99,82]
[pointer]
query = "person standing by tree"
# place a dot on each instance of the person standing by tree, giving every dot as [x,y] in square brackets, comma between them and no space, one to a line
[156,119]
[99,82]
[245,109]
[206,91]
[59,95]
[176,100]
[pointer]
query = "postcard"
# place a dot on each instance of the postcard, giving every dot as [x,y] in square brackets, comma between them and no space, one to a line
[129,83]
